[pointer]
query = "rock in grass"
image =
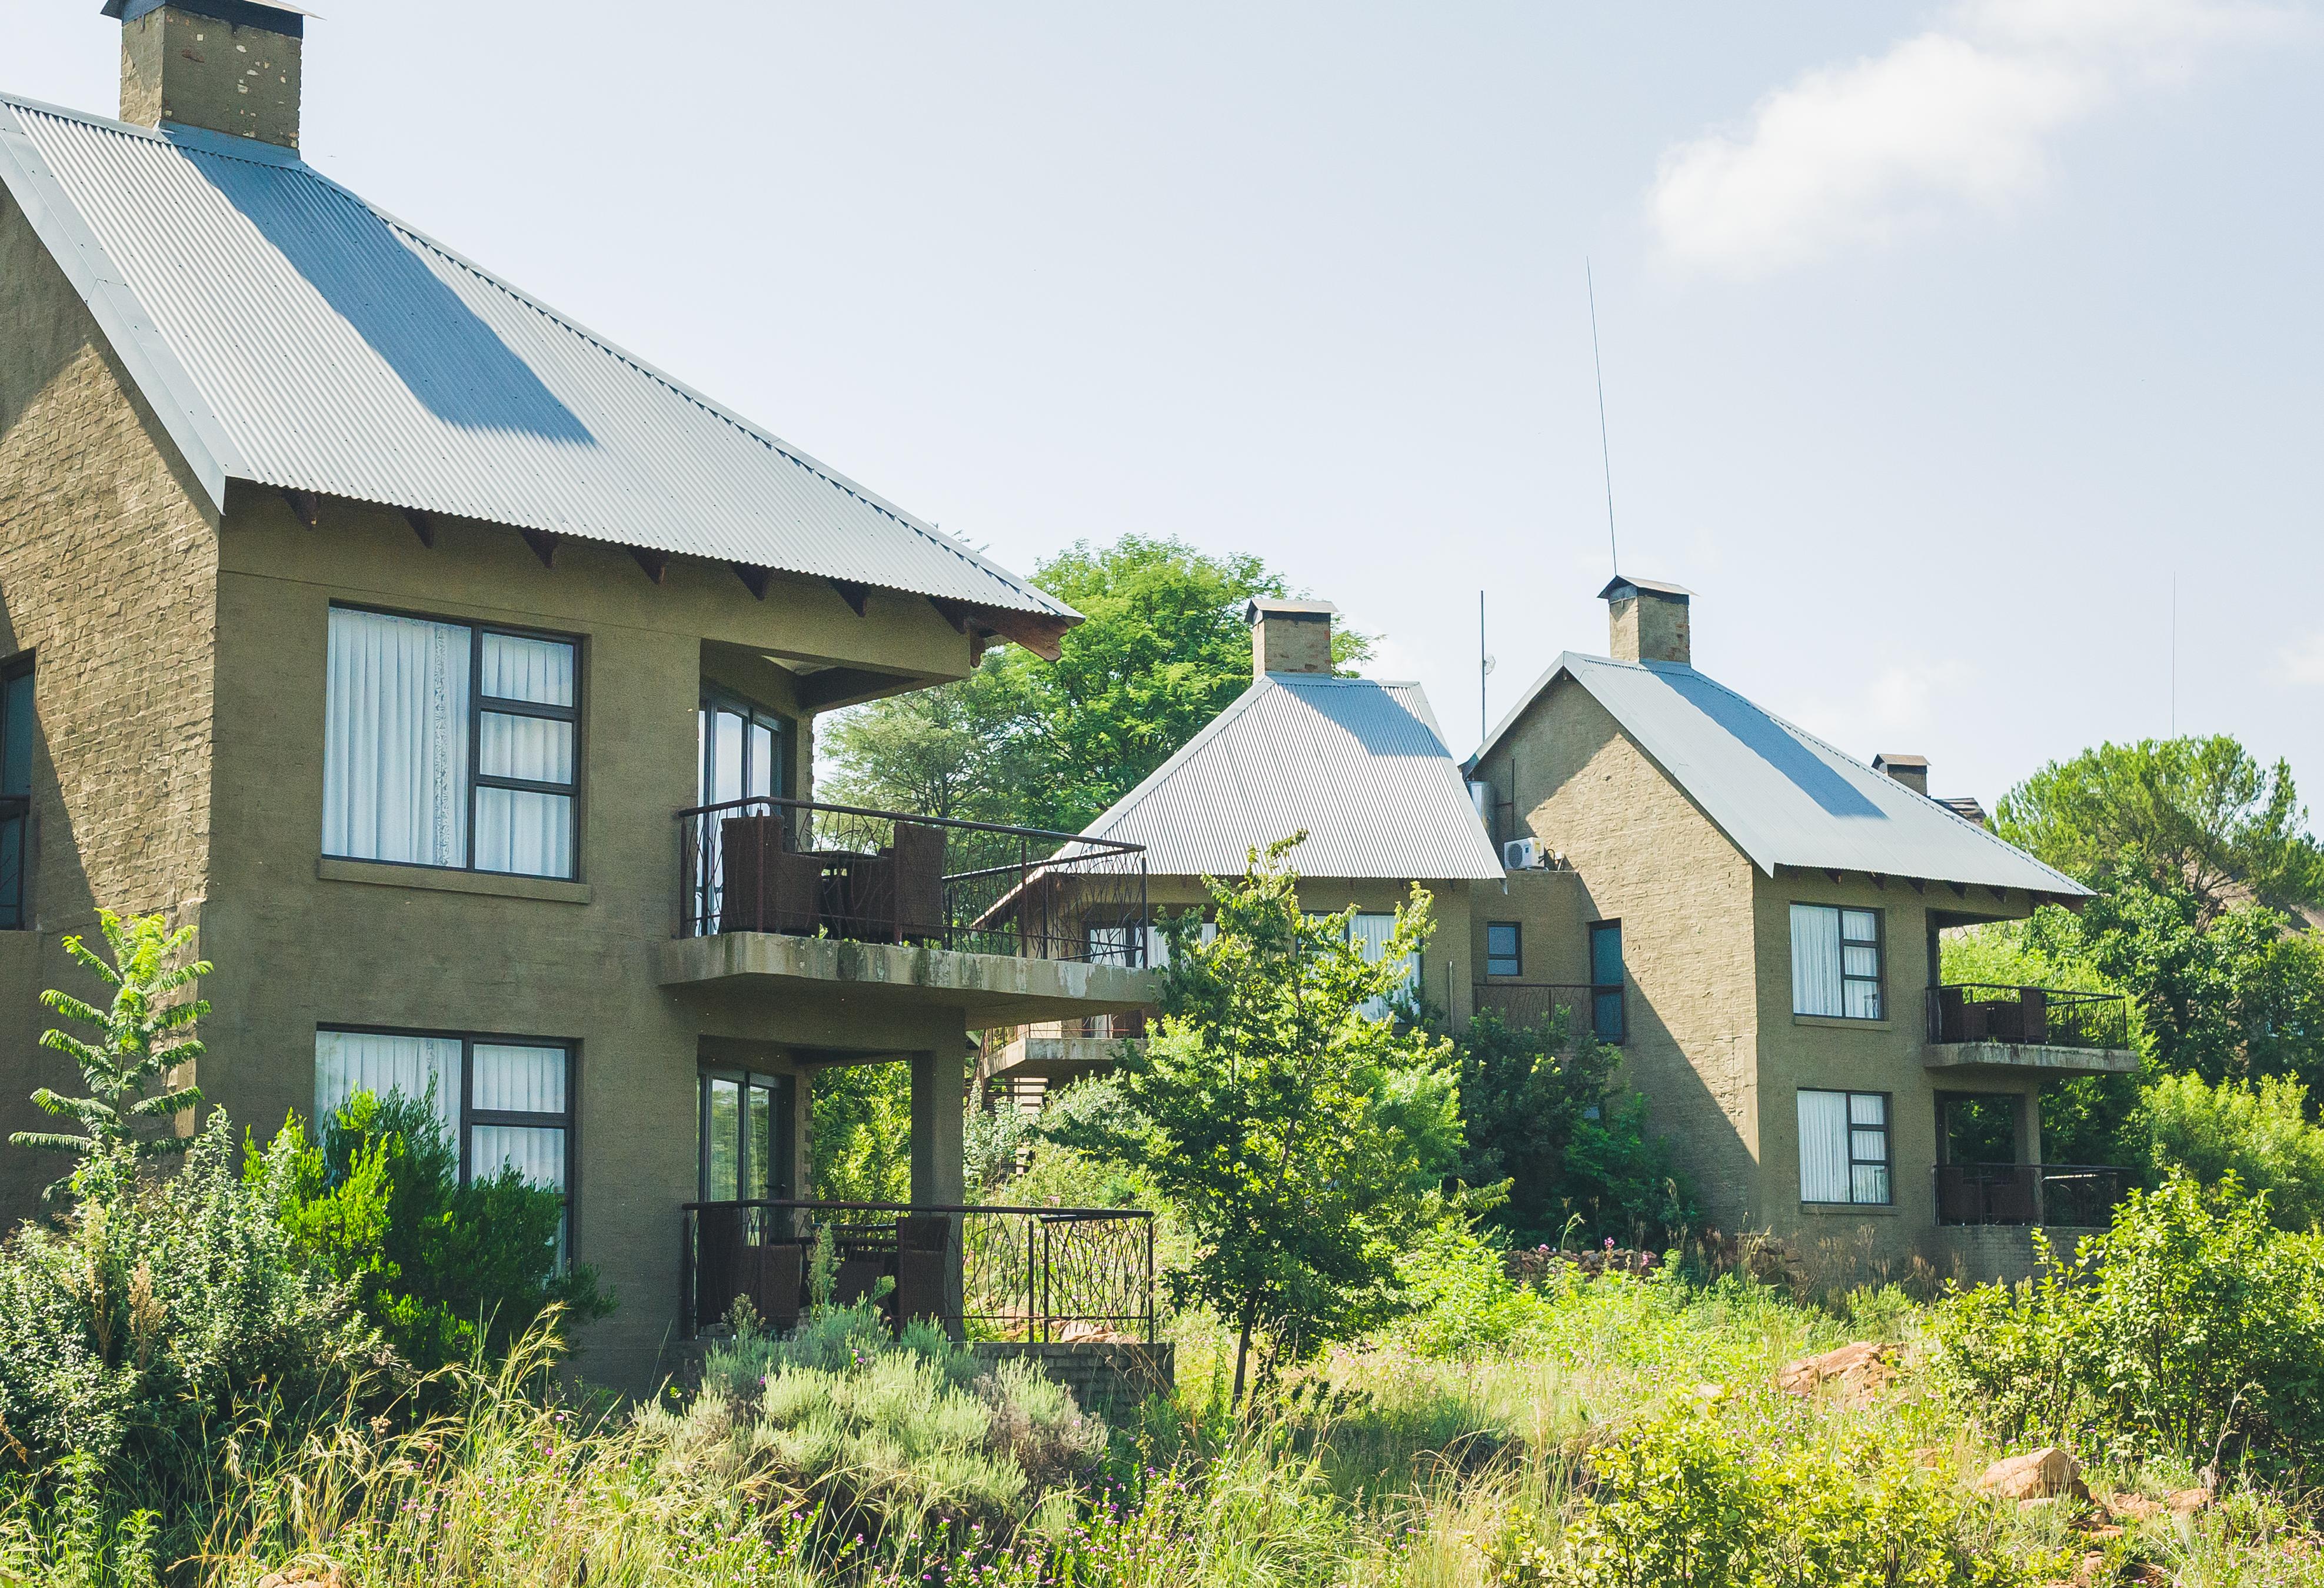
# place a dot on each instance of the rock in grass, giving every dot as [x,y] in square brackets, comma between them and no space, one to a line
[2038,1474]
[1861,1370]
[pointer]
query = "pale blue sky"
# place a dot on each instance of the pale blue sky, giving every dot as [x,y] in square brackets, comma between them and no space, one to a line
[1939,338]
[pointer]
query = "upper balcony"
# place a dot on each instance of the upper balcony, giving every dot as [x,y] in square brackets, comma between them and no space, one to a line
[1009,924]
[1981,1025]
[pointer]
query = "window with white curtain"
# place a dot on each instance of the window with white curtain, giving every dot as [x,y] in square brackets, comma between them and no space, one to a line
[449,744]
[1835,962]
[1370,933]
[1844,1147]
[504,1104]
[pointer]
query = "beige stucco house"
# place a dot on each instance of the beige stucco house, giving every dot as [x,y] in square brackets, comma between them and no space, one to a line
[455,670]
[1756,917]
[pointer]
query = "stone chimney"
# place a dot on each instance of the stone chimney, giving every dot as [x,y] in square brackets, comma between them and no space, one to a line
[1290,636]
[1911,770]
[225,66]
[1646,621]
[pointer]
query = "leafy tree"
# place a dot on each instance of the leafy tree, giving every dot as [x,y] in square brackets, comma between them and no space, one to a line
[447,1271]
[143,1034]
[947,751]
[1302,1140]
[862,1133]
[2260,1135]
[2202,815]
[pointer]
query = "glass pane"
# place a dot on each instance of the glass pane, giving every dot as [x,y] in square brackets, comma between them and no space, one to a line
[1869,1182]
[17,737]
[12,872]
[760,1104]
[537,749]
[763,759]
[519,1080]
[395,740]
[527,834]
[422,1067]
[1861,1001]
[725,758]
[702,752]
[1860,962]
[1606,1016]
[723,1148]
[1501,939]
[1606,955]
[1858,926]
[1868,1146]
[1111,944]
[1815,960]
[517,668]
[1867,1108]
[535,1151]
[1823,1147]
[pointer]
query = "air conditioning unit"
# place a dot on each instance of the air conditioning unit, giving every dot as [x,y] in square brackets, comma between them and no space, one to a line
[1521,855]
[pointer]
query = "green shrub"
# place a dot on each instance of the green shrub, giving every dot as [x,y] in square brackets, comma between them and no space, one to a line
[446,1271]
[143,1322]
[1690,1498]
[2260,1135]
[1463,1301]
[2192,1325]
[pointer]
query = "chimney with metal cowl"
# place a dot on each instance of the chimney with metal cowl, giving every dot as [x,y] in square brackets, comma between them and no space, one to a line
[225,66]
[1290,636]
[1911,770]
[1646,621]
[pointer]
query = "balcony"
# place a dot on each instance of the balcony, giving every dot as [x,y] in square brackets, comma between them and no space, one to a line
[1600,1010]
[1063,1050]
[1010,924]
[1976,1025]
[2064,1195]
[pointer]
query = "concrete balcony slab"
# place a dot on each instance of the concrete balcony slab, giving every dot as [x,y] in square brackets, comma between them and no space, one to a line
[990,989]
[2020,1057]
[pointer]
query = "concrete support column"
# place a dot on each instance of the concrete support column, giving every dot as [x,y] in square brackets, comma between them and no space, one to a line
[939,1164]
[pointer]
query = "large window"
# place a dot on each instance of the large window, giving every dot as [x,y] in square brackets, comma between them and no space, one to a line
[1371,933]
[1608,1010]
[1504,949]
[16,789]
[448,744]
[506,1103]
[1844,1147]
[746,1136]
[1835,962]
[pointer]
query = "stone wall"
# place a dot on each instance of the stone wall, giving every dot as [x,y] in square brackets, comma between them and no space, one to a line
[1108,1380]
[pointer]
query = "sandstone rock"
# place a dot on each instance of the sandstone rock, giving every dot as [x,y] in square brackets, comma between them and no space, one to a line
[1862,1370]
[2186,1502]
[2132,1507]
[2038,1474]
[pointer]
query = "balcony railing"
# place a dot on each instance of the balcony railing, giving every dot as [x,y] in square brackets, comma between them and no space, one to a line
[1600,1010]
[2033,1017]
[987,1273]
[2060,1194]
[840,870]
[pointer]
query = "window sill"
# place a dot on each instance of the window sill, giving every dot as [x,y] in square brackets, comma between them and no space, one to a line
[1850,1210]
[1835,1022]
[485,884]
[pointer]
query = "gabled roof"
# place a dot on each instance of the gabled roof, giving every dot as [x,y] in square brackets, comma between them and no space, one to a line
[1360,765]
[289,334]
[1781,795]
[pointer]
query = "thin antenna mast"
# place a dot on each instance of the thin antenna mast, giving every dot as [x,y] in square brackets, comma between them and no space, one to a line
[1605,451]
[2174,656]
[1484,666]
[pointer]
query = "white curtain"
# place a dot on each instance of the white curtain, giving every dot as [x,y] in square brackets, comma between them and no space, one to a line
[1815,960]
[523,831]
[395,747]
[348,1062]
[519,1080]
[1823,1147]
[535,1151]
[520,668]
[1859,933]
[1868,1147]
[1370,933]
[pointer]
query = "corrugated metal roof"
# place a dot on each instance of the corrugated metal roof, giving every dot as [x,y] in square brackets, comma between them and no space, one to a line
[1783,795]
[1360,765]
[289,334]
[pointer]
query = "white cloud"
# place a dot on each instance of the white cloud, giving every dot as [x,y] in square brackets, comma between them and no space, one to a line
[1961,115]
[2303,662]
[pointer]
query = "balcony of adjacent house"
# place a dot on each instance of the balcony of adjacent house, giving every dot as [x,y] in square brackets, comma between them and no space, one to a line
[1056,1052]
[1010,925]
[1982,1026]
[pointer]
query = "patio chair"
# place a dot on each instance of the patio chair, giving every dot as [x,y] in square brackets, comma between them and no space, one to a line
[767,885]
[898,895]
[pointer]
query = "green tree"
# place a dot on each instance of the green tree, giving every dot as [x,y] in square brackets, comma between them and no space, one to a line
[1302,1140]
[2260,1135]
[952,751]
[862,1133]
[2202,815]
[145,1033]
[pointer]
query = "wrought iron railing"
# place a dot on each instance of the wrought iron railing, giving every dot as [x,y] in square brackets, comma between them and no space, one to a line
[991,1273]
[1602,1011]
[2036,1017]
[2067,1195]
[840,870]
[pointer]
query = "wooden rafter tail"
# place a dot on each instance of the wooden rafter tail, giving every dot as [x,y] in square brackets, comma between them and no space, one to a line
[1038,633]
[857,596]
[655,563]
[980,639]
[1961,889]
[753,578]
[952,612]
[306,506]
[543,544]
[423,524]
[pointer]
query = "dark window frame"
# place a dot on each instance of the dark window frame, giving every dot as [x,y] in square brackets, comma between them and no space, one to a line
[1877,943]
[1617,991]
[569,1122]
[784,1089]
[1514,958]
[480,703]
[716,697]
[16,810]
[1887,1131]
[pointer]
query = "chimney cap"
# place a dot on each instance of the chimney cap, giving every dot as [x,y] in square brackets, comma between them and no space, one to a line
[1887,759]
[1621,585]
[273,15]
[1261,606]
